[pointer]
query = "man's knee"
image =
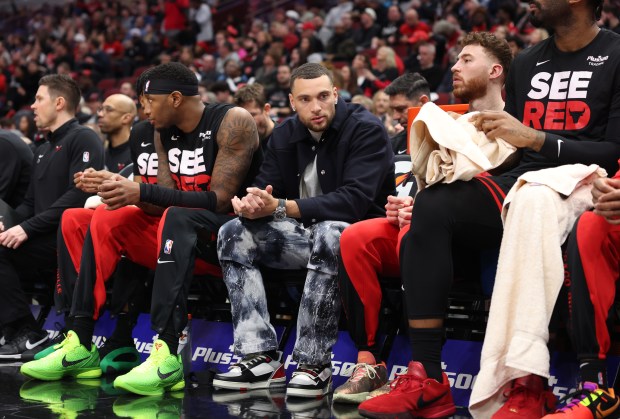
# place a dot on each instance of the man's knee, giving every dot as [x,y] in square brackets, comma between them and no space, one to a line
[229,237]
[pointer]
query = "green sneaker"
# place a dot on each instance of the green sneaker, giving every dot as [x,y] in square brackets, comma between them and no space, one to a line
[160,407]
[53,345]
[70,358]
[66,399]
[160,372]
[121,359]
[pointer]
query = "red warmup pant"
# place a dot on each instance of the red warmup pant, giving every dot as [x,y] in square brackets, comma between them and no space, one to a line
[127,231]
[369,249]
[594,271]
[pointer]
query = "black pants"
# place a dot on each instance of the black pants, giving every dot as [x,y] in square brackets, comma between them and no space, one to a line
[186,233]
[34,260]
[446,216]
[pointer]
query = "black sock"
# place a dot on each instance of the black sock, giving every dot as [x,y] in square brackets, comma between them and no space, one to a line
[170,337]
[84,327]
[594,371]
[68,322]
[426,348]
[25,322]
[124,327]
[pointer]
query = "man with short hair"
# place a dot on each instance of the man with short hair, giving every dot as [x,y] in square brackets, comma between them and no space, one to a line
[252,98]
[115,118]
[30,247]
[205,154]
[406,91]
[370,248]
[326,168]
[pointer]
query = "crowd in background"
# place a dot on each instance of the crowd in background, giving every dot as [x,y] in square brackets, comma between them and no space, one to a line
[104,45]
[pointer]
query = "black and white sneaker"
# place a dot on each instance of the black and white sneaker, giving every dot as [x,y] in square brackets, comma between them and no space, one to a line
[310,381]
[24,340]
[254,371]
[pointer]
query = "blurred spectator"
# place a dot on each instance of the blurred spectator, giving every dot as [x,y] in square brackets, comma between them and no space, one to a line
[389,31]
[367,31]
[24,123]
[233,77]
[426,65]
[341,46]
[365,101]
[537,35]
[222,92]
[515,43]
[382,73]
[224,53]
[200,16]
[413,31]
[267,73]
[174,17]
[278,96]
[610,17]
[381,108]
[348,79]
[208,72]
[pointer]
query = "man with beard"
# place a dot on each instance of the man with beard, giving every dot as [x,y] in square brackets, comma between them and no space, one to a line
[333,164]
[369,249]
[115,118]
[554,124]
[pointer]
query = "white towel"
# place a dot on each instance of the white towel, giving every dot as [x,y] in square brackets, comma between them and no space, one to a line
[543,208]
[446,150]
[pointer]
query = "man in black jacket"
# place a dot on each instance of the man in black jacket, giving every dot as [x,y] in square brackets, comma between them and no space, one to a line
[328,167]
[30,247]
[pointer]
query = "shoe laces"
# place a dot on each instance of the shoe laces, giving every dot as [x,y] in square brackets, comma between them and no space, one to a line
[519,395]
[403,382]
[249,361]
[363,370]
[574,398]
[311,370]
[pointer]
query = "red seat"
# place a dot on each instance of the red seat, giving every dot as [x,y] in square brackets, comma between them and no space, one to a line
[105,84]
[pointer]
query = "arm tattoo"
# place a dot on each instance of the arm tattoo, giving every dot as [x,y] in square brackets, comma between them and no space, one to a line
[164,178]
[237,139]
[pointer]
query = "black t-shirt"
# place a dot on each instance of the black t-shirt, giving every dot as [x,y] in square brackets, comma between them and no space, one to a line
[143,154]
[574,97]
[116,158]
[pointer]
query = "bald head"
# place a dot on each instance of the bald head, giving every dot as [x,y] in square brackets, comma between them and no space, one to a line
[123,103]
[116,115]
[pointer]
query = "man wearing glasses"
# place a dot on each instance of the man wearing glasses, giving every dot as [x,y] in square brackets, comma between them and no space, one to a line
[115,118]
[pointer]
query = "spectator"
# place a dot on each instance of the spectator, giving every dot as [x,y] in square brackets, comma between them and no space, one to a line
[252,99]
[200,15]
[278,97]
[267,74]
[222,92]
[381,108]
[611,16]
[115,118]
[367,31]
[327,135]
[31,245]
[382,73]
[390,31]
[426,65]
[413,31]
[365,101]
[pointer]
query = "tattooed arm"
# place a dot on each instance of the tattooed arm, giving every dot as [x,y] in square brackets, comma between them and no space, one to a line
[237,139]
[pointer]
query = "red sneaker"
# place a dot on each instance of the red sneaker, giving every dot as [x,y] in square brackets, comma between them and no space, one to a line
[529,397]
[413,395]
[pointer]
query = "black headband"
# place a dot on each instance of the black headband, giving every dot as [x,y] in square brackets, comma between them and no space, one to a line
[165,87]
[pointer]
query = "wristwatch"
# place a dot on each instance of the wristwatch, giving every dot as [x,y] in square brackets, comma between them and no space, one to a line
[280,212]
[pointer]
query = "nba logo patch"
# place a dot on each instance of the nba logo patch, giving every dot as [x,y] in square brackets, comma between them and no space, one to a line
[86,157]
[168,247]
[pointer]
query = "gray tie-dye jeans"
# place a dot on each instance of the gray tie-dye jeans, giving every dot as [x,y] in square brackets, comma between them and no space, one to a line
[244,244]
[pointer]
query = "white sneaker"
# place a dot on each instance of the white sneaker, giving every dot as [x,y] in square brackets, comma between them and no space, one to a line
[310,381]
[254,371]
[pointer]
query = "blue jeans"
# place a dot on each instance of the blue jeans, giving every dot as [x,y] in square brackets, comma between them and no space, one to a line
[243,245]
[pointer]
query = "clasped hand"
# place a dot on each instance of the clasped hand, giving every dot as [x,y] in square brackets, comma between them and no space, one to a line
[258,203]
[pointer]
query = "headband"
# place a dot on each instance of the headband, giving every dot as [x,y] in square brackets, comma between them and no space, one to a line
[165,87]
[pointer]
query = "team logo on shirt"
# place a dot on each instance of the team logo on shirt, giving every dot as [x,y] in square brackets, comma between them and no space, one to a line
[555,103]
[86,157]
[596,61]
[168,246]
